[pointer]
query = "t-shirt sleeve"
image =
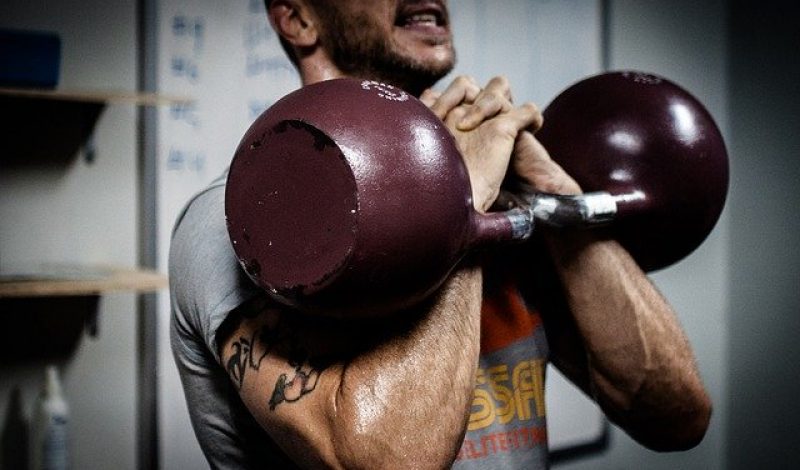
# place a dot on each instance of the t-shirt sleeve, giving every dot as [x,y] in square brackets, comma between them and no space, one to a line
[206,280]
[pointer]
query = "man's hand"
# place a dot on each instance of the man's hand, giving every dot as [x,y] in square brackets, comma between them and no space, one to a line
[531,163]
[486,126]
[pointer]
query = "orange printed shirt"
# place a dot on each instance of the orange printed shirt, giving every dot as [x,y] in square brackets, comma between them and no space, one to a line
[507,423]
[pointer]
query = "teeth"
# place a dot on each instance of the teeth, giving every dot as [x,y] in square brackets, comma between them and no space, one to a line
[425,18]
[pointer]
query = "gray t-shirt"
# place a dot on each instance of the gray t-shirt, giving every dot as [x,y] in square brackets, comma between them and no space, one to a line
[206,283]
[507,425]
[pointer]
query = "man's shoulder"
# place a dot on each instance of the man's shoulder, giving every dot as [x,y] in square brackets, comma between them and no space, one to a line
[199,236]
[207,204]
[206,280]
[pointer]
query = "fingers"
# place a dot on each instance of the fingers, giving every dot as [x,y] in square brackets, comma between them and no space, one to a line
[486,125]
[533,164]
[517,119]
[495,98]
[462,90]
[465,105]
[487,149]
[537,122]
[429,97]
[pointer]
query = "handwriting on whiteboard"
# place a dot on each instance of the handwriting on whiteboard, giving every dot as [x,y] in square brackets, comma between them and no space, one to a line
[230,61]
[188,38]
[186,160]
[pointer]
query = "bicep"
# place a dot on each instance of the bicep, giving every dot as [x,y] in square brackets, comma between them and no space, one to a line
[284,380]
[336,393]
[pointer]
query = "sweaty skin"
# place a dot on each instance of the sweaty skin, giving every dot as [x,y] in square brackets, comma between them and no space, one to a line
[342,395]
[615,335]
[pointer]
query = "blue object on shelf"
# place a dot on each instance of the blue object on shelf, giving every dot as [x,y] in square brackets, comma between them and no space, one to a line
[29,59]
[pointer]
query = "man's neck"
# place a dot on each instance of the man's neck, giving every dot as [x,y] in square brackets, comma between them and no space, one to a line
[317,69]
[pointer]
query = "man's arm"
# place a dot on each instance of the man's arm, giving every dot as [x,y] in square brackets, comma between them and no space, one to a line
[612,332]
[357,395]
[391,393]
[637,362]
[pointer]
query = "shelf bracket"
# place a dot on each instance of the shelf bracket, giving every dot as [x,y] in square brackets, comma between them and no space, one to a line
[45,327]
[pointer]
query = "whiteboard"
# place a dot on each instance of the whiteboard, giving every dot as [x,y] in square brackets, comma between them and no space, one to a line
[226,56]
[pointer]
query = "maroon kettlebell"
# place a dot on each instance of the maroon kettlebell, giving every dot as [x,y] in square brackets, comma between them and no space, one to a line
[654,148]
[350,198]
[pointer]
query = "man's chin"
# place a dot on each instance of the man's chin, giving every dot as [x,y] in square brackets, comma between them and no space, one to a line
[417,82]
[429,54]
[421,71]
[411,69]
[442,60]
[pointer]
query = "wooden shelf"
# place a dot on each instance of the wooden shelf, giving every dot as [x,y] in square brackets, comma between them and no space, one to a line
[100,97]
[80,282]
[45,312]
[49,127]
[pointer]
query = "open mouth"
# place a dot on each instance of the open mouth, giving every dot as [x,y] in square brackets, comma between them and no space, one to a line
[426,15]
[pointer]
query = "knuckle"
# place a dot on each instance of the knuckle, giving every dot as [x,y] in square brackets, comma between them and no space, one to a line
[495,102]
[500,81]
[535,114]
[531,108]
[489,100]
[457,113]
[464,81]
[464,88]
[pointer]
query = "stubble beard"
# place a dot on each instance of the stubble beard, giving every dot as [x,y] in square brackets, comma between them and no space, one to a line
[358,50]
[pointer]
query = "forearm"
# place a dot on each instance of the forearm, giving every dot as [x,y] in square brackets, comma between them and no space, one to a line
[389,393]
[639,364]
[406,403]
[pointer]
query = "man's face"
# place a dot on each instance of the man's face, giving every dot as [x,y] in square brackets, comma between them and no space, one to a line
[404,42]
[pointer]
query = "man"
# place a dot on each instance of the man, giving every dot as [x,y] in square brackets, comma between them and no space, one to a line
[457,380]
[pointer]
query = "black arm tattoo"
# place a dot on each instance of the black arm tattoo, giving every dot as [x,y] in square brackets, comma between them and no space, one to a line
[304,381]
[281,340]
[236,364]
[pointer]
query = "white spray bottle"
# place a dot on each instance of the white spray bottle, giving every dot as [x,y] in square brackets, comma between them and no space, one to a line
[48,439]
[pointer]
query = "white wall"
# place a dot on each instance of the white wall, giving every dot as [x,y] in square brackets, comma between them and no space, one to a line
[684,40]
[765,254]
[82,213]
[741,58]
